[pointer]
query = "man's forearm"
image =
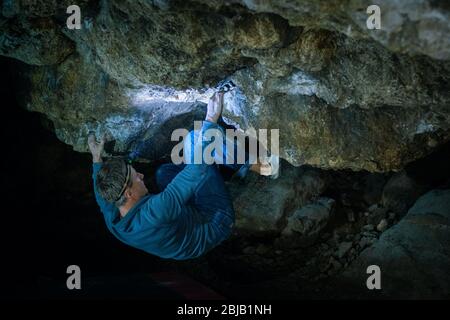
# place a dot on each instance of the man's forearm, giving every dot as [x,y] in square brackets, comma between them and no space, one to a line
[95,147]
[96,159]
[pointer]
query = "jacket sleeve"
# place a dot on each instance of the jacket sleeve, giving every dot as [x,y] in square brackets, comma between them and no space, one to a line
[167,205]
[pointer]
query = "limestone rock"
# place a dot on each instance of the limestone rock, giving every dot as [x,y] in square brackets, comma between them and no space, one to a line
[47,8]
[376,215]
[261,203]
[374,129]
[400,193]
[342,96]
[417,28]
[79,98]
[305,224]
[138,43]
[343,248]
[34,41]
[310,184]
[435,203]
[369,227]
[382,226]
[420,27]
[413,255]
[260,31]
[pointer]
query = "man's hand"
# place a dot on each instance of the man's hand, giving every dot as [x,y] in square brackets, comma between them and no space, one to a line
[215,106]
[96,147]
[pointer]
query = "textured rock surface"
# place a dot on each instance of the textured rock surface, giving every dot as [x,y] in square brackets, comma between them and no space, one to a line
[36,42]
[358,112]
[306,223]
[400,193]
[262,204]
[136,43]
[414,255]
[421,26]
[342,96]
[79,98]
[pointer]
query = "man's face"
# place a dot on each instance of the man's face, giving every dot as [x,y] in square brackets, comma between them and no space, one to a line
[138,188]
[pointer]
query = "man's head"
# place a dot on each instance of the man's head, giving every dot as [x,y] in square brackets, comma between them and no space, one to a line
[118,182]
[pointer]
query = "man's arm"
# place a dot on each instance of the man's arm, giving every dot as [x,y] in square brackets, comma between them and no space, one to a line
[96,149]
[168,204]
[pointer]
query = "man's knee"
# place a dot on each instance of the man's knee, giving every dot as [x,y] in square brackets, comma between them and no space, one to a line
[164,174]
[161,171]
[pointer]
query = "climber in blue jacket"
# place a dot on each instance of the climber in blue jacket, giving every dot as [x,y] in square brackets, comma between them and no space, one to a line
[192,214]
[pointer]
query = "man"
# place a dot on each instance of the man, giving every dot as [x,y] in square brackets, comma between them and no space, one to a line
[192,214]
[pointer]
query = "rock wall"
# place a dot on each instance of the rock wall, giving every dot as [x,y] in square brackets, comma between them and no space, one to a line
[413,255]
[343,96]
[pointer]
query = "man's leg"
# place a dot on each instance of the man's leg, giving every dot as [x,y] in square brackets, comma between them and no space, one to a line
[230,161]
[211,198]
[165,174]
[213,201]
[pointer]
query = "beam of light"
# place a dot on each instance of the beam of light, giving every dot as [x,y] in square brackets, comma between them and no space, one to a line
[151,98]
[149,94]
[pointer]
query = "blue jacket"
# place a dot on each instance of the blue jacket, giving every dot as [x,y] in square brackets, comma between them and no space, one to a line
[165,224]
